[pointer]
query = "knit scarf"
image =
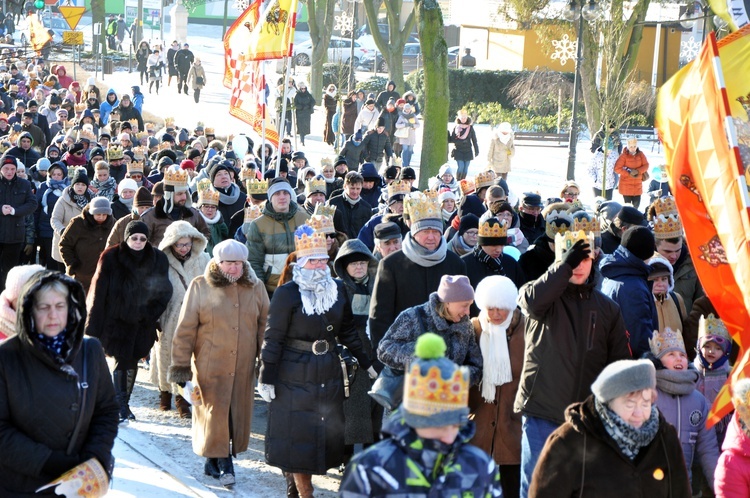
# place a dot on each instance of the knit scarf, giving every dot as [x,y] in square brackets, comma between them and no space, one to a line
[421,256]
[676,382]
[229,195]
[127,202]
[317,288]
[212,221]
[494,264]
[629,439]
[494,345]
[462,131]
[105,189]
[55,187]
[351,201]
[81,200]
[447,214]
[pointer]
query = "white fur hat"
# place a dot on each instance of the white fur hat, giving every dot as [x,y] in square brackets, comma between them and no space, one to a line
[496,292]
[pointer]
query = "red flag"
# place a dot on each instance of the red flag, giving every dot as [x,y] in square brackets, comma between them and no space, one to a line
[249,99]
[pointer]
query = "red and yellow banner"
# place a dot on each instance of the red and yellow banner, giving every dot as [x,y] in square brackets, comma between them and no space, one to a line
[38,34]
[249,102]
[701,119]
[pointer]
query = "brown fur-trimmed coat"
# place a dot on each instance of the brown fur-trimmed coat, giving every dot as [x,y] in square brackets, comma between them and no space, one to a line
[216,344]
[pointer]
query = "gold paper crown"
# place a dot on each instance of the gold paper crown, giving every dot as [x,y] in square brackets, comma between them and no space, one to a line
[422,208]
[492,228]
[135,167]
[256,187]
[165,145]
[315,185]
[564,241]
[114,152]
[209,131]
[149,126]
[141,135]
[666,206]
[321,224]
[323,210]
[397,187]
[326,161]
[311,246]
[80,107]
[133,124]
[467,186]
[247,174]
[552,229]
[175,178]
[430,194]
[587,226]
[710,325]
[252,213]
[667,227]
[169,122]
[485,179]
[208,196]
[666,340]
[87,134]
[431,394]
[203,184]
[139,153]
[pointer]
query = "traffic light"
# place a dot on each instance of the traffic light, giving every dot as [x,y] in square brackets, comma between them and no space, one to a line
[38,4]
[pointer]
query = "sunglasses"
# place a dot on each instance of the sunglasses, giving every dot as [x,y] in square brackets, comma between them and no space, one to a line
[135,238]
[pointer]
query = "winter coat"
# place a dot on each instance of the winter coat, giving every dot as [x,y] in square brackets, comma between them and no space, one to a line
[304,106]
[38,139]
[499,155]
[401,284]
[383,97]
[18,194]
[410,122]
[43,213]
[130,112]
[183,60]
[686,281]
[216,344]
[141,56]
[329,131]
[498,426]
[129,292]
[626,282]
[532,227]
[81,244]
[401,465]
[670,308]
[471,204]
[353,217]
[117,234]
[376,146]
[464,149]
[396,348]
[627,162]
[40,398]
[306,419]
[270,239]
[181,273]
[366,119]
[572,333]
[581,459]
[158,221]
[65,210]
[537,259]
[687,410]
[350,117]
[26,156]
[105,109]
[732,477]
[389,121]
[196,71]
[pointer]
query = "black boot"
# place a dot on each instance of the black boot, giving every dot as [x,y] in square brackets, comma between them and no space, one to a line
[226,472]
[131,374]
[291,487]
[120,380]
[211,468]
[196,95]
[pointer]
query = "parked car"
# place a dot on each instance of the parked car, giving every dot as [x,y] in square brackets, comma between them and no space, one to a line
[411,60]
[339,50]
[364,36]
[56,24]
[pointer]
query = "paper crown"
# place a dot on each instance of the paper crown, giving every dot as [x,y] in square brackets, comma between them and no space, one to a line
[492,228]
[710,325]
[324,210]
[208,196]
[165,145]
[422,208]
[558,222]
[135,167]
[203,184]
[247,174]
[667,227]
[664,341]
[209,131]
[149,126]
[252,213]
[169,122]
[141,135]
[87,134]
[467,186]
[564,241]
[85,480]
[114,152]
[134,124]
[666,206]
[175,178]
[430,194]
[587,226]
[139,153]
[322,219]
[326,161]
[315,185]
[485,179]
[309,244]
[80,107]
[256,187]
[397,187]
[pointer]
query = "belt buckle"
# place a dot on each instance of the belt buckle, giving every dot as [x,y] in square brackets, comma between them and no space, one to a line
[315,347]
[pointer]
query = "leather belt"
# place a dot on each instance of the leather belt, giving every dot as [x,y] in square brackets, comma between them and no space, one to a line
[318,348]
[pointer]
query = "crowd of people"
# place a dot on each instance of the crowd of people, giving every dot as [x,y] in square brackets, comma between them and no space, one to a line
[463,339]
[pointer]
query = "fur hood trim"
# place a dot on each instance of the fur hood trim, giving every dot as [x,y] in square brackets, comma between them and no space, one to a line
[179,374]
[179,229]
[658,258]
[215,278]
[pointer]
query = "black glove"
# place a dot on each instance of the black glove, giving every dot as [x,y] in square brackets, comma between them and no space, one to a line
[58,463]
[181,384]
[576,254]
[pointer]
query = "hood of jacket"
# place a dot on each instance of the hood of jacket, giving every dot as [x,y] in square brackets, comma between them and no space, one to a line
[179,229]
[622,263]
[114,104]
[657,258]
[302,174]
[395,427]
[349,247]
[76,315]
[367,170]
[390,83]
[24,134]
[215,278]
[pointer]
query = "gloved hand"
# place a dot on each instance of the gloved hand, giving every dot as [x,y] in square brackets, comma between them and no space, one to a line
[372,373]
[29,249]
[635,173]
[267,392]
[576,254]
[181,384]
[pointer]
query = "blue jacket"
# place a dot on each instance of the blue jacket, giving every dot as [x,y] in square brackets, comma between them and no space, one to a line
[626,282]
[138,100]
[105,109]
[403,464]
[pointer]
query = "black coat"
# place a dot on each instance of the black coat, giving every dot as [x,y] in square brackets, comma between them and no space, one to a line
[306,419]
[375,146]
[537,259]
[304,105]
[401,283]
[464,148]
[40,400]
[130,112]
[471,204]
[17,193]
[183,59]
[532,227]
[353,218]
[119,210]
[353,154]
[126,299]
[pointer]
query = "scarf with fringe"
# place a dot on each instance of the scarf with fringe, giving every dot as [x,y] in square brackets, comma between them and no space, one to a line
[494,345]
[317,288]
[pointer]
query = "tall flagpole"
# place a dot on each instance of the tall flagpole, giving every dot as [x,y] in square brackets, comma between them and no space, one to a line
[263,136]
[283,111]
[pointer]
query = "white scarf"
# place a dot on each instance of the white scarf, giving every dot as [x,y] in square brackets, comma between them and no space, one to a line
[503,137]
[211,221]
[494,345]
[318,290]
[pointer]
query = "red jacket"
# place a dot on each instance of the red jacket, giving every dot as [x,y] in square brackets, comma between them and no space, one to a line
[732,477]
[630,185]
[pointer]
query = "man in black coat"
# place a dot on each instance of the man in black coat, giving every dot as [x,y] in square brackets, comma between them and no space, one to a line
[40,121]
[128,111]
[16,202]
[355,211]
[406,278]
[376,145]
[183,59]
[541,254]
[231,198]
[530,213]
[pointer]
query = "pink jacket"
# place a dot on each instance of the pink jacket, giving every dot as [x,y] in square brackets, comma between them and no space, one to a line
[732,477]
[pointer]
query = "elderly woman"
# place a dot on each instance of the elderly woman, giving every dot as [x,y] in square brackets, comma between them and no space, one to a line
[129,292]
[184,247]
[447,314]
[215,346]
[301,375]
[499,328]
[615,443]
[57,405]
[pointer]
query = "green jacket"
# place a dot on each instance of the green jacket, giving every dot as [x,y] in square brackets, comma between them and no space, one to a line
[270,239]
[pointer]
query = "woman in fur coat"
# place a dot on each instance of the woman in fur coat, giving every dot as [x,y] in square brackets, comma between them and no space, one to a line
[215,346]
[184,247]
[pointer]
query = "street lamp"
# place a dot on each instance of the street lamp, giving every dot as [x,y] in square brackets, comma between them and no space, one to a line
[580,12]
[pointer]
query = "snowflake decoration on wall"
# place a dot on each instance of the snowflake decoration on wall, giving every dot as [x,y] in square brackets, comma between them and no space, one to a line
[565,49]
[689,49]
[241,5]
[344,23]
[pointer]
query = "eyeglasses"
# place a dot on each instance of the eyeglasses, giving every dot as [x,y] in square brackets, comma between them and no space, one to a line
[138,239]
[359,264]
[571,194]
[472,233]
[330,235]
[318,261]
[183,246]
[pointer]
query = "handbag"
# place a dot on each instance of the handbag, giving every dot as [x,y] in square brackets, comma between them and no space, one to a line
[199,80]
[645,176]
[349,363]
[401,132]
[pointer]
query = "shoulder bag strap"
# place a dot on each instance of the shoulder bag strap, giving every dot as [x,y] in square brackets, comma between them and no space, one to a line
[83,387]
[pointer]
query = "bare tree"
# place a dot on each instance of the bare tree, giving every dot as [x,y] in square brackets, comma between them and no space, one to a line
[538,88]
[320,13]
[392,48]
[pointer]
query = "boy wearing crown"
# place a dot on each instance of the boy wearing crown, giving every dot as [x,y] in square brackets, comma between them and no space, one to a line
[425,450]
